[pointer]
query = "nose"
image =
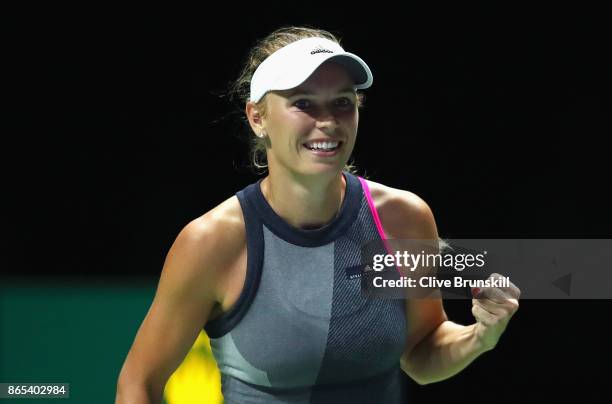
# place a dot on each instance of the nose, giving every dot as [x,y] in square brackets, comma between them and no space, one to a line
[326,119]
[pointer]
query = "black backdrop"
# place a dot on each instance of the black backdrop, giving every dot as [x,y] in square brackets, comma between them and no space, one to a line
[498,118]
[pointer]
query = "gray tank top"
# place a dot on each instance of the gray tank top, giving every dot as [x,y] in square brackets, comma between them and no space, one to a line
[301,330]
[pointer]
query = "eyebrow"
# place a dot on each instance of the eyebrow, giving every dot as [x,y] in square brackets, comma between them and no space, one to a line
[308,92]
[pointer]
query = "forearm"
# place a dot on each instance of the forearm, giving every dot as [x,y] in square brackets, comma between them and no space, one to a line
[445,352]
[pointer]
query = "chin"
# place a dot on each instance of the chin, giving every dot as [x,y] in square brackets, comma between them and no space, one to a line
[322,168]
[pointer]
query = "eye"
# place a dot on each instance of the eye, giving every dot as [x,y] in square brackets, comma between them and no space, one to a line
[344,102]
[302,104]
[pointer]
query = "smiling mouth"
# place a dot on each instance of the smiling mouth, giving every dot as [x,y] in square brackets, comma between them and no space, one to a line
[323,146]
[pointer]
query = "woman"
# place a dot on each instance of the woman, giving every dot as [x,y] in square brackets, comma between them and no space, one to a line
[267,272]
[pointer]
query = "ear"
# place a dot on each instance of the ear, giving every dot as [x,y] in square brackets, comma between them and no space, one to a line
[254,116]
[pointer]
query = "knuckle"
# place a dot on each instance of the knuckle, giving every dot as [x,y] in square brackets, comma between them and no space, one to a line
[509,309]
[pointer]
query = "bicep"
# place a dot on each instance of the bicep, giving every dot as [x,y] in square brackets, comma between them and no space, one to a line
[412,223]
[180,308]
[423,316]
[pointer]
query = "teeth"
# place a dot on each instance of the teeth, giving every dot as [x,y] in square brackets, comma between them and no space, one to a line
[323,145]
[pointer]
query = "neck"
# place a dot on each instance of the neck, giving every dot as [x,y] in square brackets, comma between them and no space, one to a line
[304,202]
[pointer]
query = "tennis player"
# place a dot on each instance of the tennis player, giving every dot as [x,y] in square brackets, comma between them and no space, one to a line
[268,273]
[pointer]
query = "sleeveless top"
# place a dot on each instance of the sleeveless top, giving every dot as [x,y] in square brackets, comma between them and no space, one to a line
[302,331]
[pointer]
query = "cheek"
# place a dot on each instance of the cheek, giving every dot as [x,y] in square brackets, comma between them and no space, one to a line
[297,124]
[350,118]
[352,121]
[289,129]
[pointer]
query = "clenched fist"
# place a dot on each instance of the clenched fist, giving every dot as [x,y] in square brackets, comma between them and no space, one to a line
[493,308]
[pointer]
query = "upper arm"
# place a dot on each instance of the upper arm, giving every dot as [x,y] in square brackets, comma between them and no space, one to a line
[185,295]
[406,216]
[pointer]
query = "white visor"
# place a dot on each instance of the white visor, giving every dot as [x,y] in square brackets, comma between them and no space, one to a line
[291,65]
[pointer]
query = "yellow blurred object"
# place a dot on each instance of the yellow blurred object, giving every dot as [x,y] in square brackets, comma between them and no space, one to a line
[197,380]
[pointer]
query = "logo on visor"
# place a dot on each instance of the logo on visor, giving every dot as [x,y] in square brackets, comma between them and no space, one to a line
[319,49]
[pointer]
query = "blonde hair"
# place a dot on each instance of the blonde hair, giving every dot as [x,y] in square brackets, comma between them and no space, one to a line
[239,91]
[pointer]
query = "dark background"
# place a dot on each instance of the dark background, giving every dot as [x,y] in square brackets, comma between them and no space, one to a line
[498,118]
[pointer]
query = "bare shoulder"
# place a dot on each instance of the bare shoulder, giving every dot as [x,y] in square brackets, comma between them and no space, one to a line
[403,214]
[211,243]
[223,225]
